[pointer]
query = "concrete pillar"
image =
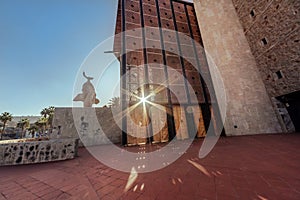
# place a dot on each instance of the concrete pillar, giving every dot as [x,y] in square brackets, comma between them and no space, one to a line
[249,109]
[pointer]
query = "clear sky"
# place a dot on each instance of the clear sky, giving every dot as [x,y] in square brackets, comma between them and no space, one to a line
[42,46]
[43,43]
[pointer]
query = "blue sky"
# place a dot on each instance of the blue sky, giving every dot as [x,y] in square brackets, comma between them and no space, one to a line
[42,46]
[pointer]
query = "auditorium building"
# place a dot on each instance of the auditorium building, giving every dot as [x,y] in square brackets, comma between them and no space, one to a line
[169,89]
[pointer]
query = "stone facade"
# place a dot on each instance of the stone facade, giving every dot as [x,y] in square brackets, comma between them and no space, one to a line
[16,152]
[249,108]
[92,125]
[272,28]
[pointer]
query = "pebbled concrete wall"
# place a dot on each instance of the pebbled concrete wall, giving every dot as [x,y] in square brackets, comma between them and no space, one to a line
[14,152]
[278,22]
[249,109]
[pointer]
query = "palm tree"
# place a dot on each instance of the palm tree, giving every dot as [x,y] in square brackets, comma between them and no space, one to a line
[24,123]
[48,113]
[44,112]
[51,111]
[42,123]
[5,117]
[33,128]
[114,102]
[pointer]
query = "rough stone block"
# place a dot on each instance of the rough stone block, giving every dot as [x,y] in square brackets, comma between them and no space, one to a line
[17,152]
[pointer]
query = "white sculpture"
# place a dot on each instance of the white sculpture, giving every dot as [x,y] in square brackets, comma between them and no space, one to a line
[88,95]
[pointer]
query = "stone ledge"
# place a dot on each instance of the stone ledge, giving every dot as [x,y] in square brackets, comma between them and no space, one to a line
[30,152]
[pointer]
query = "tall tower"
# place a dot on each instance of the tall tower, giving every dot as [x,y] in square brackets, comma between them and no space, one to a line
[158,43]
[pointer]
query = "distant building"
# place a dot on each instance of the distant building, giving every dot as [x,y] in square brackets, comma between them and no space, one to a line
[16,119]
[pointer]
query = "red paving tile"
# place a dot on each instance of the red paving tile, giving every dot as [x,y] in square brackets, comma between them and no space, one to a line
[52,195]
[246,167]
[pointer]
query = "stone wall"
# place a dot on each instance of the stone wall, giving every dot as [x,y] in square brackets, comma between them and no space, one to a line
[94,126]
[249,108]
[272,28]
[14,152]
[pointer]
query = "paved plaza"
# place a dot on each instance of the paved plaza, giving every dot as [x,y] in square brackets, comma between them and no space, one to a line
[246,167]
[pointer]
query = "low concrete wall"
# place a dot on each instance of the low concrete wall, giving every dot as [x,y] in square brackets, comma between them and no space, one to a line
[94,126]
[17,152]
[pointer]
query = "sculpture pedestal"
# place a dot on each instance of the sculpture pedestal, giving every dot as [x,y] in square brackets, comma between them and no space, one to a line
[94,126]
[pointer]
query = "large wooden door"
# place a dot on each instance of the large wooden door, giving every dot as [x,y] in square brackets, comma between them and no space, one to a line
[199,122]
[136,126]
[180,123]
[159,124]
